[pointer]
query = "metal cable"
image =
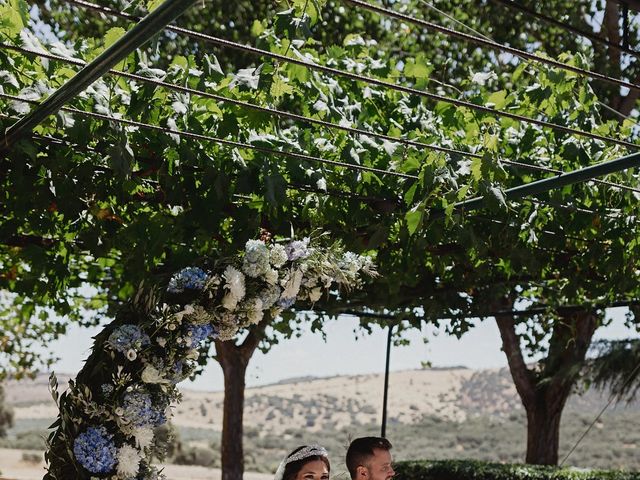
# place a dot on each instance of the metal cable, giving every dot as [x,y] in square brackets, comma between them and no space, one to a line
[179,88]
[365,79]
[240,103]
[595,420]
[303,118]
[533,65]
[290,185]
[565,26]
[490,43]
[230,143]
[294,186]
[293,116]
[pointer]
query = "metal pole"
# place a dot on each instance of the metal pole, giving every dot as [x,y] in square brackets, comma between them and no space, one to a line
[547,184]
[383,431]
[141,33]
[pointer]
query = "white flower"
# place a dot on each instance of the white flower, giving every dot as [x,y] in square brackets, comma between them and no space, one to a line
[271,277]
[278,255]
[254,311]
[229,302]
[193,354]
[188,310]
[128,461]
[292,287]
[351,262]
[143,436]
[235,285]
[161,341]
[315,294]
[256,258]
[152,375]
[131,355]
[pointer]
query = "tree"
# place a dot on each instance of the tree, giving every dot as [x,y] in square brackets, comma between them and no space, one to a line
[137,204]
[6,414]
[615,367]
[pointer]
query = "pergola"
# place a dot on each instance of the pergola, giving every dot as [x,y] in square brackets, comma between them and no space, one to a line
[162,16]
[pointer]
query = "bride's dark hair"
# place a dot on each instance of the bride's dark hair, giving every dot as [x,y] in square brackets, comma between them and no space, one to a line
[293,468]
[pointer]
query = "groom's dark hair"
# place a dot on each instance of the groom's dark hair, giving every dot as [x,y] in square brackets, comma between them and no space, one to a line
[361,450]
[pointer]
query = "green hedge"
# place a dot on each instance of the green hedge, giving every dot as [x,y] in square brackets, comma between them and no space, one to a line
[477,470]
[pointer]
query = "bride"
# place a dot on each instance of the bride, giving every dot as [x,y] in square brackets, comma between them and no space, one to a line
[310,462]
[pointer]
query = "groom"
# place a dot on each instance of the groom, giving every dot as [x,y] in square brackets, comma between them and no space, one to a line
[369,458]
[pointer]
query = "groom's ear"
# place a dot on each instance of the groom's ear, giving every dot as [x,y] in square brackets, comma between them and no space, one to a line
[362,471]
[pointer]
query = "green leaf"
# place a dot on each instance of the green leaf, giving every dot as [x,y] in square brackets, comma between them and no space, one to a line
[257,28]
[14,16]
[415,68]
[462,193]
[112,36]
[414,218]
[180,61]
[491,142]
[280,88]
[498,99]
[408,197]
[308,7]
[153,4]
[476,169]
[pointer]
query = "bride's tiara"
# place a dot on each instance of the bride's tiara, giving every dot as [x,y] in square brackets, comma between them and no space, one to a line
[305,452]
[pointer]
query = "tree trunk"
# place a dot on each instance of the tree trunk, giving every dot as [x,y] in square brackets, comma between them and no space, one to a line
[234,360]
[234,368]
[543,434]
[544,391]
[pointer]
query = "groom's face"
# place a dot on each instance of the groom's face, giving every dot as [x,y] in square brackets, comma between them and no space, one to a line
[379,467]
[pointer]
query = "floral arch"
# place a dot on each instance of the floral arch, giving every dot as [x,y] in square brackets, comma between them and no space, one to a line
[107,416]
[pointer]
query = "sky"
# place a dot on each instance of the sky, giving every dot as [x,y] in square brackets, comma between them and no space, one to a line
[342,354]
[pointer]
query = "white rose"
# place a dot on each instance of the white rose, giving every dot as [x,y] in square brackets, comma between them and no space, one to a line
[315,294]
[151,375]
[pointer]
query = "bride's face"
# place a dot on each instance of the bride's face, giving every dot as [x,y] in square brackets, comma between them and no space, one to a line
[313,470]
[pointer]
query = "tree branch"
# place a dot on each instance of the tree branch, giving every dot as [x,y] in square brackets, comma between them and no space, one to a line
[610,26]
[568,346]
[253,338]
[628,103]
[523,377]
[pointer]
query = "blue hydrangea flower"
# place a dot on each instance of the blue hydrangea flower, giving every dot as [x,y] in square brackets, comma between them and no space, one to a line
[138,409]
[298,249]
[107,388]
[286,302]
[95,450]
[198,333]
[192,278]
[127,337]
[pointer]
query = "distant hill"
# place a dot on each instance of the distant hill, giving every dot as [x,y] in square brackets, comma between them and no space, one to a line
[433,413]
